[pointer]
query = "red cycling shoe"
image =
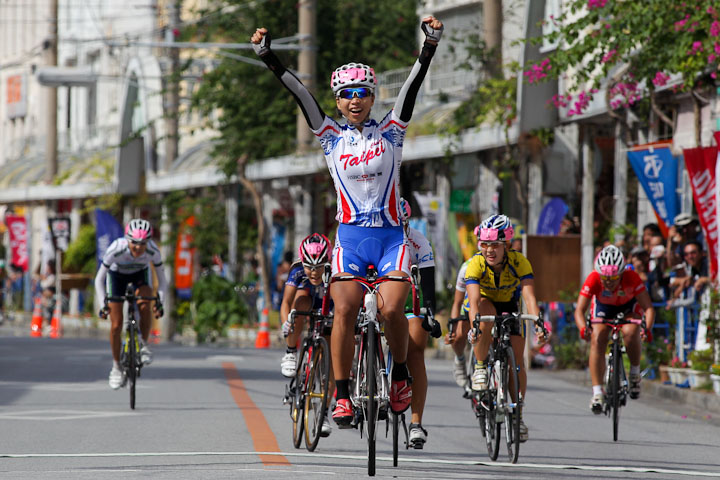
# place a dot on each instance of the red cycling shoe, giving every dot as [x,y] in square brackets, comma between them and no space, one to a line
[343,413]
[400,395]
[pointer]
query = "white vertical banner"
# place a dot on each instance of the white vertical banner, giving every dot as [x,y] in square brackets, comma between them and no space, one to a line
[434,210]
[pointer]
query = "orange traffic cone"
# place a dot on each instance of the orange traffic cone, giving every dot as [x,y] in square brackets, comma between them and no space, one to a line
[36,322]
[55,327]
[263,337]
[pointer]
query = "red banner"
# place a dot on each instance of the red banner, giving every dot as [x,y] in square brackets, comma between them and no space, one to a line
[184,256]
[17,226]
[700,164]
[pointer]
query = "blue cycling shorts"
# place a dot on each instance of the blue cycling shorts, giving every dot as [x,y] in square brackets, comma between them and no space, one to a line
[357,247]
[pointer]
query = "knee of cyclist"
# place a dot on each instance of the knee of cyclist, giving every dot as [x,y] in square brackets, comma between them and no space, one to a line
[344,311]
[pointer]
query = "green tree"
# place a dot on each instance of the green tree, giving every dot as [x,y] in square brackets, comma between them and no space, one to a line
[636,45]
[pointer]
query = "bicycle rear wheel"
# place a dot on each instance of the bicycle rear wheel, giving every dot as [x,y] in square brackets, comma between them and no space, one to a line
[371,391]
[298,402]
[617,360]
[512,414]
[317,393]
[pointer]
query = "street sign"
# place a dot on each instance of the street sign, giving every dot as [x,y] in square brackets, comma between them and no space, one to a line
[60,230]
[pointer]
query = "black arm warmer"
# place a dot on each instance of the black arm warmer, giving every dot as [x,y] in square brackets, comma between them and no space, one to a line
[427,283]
[408,93]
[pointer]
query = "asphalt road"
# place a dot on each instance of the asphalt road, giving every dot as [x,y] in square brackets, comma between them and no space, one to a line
[213,413]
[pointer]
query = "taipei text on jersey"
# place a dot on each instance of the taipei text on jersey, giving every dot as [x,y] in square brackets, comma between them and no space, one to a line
[118,257]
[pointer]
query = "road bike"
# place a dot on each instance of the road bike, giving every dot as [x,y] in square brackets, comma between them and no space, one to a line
[130,360]
[501,403]
[370,396]
[615,379]
[469,355]
[307,392]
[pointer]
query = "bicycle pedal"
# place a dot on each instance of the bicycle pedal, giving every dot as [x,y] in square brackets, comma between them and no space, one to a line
[418,444]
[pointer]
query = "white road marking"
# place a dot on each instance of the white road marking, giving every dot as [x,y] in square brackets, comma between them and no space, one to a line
[65,386]
[540,466]
[225,358]
[52,415]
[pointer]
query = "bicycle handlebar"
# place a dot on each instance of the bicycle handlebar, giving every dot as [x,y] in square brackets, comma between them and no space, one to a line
[123,298]
[535,319]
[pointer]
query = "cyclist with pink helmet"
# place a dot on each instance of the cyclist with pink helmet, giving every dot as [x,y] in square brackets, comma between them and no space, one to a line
[496,277]
[363,157]
[608,290]
[304,292]
[127,260]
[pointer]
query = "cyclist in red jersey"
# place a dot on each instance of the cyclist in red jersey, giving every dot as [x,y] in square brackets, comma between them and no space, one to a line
[611,289]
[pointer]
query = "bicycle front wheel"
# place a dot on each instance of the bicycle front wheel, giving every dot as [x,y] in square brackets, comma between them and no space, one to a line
[510,386]
[491,427]
[371,405]
[298,402]
[317,393]
[132,366]
[617,366]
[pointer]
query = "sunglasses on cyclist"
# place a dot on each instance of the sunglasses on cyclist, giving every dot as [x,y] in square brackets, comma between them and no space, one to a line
[360,92]
[490,244]
[312,268]
[135,242]
[609,278]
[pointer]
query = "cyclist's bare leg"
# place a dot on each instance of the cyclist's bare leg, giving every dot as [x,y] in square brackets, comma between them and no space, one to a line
[116,323]
[633,344]
[391,300]
[481,347]
[416,365]
[598,345]
[348,298]
[459,337]
[145,311]
[302,303]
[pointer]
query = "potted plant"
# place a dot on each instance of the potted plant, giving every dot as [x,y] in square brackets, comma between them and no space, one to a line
[678,371]
[700,361]
[658,354]
[715,377]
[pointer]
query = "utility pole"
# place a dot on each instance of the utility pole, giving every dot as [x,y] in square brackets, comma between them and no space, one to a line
[172,87]
[492,25]
[307,21]
[588,202]
[51,53]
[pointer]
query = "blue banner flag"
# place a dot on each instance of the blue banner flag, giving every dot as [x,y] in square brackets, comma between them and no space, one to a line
[551,217]
[107,230]
[656,169]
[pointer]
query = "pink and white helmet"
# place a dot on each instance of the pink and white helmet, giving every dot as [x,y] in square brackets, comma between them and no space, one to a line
[315,250]
[495,228]
[138,230]
[610,261]
[352,75]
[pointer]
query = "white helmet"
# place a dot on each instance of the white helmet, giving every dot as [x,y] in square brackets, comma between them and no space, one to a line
[352,75]
[610,261]
[138,230]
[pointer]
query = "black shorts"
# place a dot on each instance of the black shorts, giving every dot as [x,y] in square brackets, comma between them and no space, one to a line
[509,307]
[116,282]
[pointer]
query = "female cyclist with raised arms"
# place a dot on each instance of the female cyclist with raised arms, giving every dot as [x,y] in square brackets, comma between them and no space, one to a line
[128,260]
[611,289]
[495,278]
[364,157]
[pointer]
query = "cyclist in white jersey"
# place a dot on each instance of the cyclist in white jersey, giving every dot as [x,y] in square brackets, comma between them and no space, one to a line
[127,260]
[364,157]
[421,254]
[457,336]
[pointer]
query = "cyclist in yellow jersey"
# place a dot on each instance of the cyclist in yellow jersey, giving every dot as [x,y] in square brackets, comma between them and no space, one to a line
[495,279]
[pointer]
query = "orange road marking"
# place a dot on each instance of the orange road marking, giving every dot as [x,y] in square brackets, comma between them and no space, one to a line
[263,438]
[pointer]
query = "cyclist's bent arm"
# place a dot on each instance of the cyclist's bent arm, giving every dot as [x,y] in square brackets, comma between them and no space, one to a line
[427,284]
[287,301]
[473,291]
[314,115]
[643,299]
[457,304]
[162,283]
[583,303]
[528,294]
[100,283]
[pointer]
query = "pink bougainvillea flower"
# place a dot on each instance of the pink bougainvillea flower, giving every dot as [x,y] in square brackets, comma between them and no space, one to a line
[715,29]
[592,4]
[660,79]
[717,47]
[608,56]
[681,23]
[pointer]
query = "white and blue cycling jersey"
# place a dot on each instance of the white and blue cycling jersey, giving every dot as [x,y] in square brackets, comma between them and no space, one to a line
[421,253]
